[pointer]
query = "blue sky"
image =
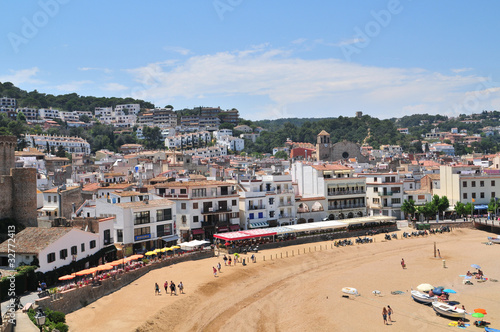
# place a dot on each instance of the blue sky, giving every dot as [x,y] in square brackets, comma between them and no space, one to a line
[268,59]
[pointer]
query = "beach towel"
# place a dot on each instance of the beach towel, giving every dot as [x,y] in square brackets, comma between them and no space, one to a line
[493,280]
[398,292]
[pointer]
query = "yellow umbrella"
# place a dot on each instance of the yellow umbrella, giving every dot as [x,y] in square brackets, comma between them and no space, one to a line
[150,253]
[176,247]
[164,250]
[169,249]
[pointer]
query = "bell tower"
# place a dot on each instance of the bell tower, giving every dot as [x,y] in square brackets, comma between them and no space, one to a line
[7,154]
[323,146]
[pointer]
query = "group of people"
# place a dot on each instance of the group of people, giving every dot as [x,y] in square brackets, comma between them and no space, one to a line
[387,314]
[171,286]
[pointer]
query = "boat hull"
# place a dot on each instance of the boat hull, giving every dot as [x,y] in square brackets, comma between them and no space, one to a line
[422,297]
[494,240]
[449,311]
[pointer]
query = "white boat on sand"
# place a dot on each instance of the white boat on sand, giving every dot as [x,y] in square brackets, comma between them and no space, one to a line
[494,239]
[446,310]
[421,297]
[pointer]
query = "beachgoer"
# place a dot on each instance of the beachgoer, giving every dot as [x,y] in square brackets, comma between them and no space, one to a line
[384,315]
[439,253]
[253,258]
[461,323]
[157,288]
[463,307]
[219,267]
[225,260]
[431,293]
[229,260]
[403,265]
[172,288]
[165,285]
[389,313]
[181,287]
[215,271]
[469,274]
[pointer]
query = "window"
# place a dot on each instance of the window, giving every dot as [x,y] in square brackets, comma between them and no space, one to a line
[119,235]
[196,219]
[183,191]
[51,257]
[141,231]
[92,244]
[63,254]
[141,217]
[73,250]
[261,215]
[464,184]
[481,195]
[251,216]
[271,201]
[164,214]
[492,183]
[195,205]
[375,189]
[473,195]
[465,195]
[55,199]
[183,206]
[375,179]
[473,183]
[234,202]
[396,201]
[421,197]
[481,183]
[493,194]
[271,214]
[82,249]
[49,199]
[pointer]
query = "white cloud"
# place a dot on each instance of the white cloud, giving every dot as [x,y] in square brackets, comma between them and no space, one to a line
[105,70]
[23,76]
[461,70]
[351,41]
[289,83]
[73,86]
[177,49]
[114,87]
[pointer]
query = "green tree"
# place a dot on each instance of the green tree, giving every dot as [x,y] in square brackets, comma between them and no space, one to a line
[61,152]
[493,205]
[85,118]
[428,210]
[443,205]
[460,209]
[408,207]
[281,155]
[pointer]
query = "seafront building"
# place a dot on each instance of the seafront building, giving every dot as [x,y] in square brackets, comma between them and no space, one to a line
[384,194]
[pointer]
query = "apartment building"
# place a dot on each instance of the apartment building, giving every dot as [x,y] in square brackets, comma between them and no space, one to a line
[159,117]
[69,116]
[384,194]
[266,200]
[103,111]
[203,207]
[128,108]
[30,113]
[208,152]
[49,113]
[231,143]
[143,221]
[6,102]
[328,191]
[230,116]
[71,144]
[188,140]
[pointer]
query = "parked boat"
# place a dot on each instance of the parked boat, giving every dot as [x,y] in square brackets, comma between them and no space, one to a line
[350,291]
[421,297]
[494,239]
[450,311]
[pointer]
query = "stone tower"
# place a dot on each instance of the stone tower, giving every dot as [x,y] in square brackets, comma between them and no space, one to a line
[323,146]
[7,158]
[17,186]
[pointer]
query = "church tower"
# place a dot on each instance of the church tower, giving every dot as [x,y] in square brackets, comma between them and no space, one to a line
[323,146]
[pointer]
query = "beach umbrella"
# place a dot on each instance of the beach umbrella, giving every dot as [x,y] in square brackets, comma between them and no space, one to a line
[475,266]
[164,250]
[67,277]
[236,254]
[157,250]
[104,267]
[176,247]
[477,315]
[117,262]
[449,291]
[437,291]
[425,287]
[150,253]
[85,272]
[481,311]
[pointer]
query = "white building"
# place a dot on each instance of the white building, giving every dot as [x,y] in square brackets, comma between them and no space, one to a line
[447,149]
[188,140]
[132,108]
[384,194]
[30,113]
[70,116]
[218,134]
[49,113]
[231,143]
[209,152]
[71,144]
[53,247]
[6,102]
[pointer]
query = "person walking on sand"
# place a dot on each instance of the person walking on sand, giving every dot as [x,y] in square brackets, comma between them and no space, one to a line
[384,315]
[389,313]
[172,288]
[225,260]
[165,285]
[181,287]
[219,266]
[215,271]
[157,288]
[403,265]
[439,253]
[229,260]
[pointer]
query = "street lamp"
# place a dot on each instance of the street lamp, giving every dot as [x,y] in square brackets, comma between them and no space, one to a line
[40,318]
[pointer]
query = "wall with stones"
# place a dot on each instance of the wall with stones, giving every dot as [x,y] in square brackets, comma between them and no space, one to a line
[68,198]
[5,197]
[351,149]
[24,195]
[7,155]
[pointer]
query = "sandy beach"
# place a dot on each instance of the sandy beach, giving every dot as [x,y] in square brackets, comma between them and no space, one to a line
[303,292]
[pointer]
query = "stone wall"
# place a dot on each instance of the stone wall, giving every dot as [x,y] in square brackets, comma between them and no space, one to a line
[5,197]
[77,298]
[68,198]
[24,196]
[7,154]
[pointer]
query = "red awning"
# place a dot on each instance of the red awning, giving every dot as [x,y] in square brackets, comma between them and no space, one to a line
[242,235]
[222,229]
[197,231]
[234,227]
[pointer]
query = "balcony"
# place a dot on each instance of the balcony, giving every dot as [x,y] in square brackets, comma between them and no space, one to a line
[346,207]
[388,193]
[216,210]
[109,241]
[346,192]
[257,207]
[287,203]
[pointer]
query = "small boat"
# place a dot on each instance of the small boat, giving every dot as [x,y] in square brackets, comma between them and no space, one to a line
[421,297]
[446,310]
[494,239]
[350,291]
[489,329]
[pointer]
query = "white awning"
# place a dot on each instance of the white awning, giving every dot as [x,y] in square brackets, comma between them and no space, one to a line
[259,224]
[50,208]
